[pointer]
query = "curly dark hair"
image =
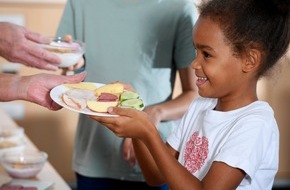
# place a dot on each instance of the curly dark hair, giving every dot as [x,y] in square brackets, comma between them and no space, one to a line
[259,24]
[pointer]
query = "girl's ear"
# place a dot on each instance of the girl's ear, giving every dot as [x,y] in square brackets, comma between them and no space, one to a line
[252,61]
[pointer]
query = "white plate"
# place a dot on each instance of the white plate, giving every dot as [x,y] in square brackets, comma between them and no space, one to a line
[56,94]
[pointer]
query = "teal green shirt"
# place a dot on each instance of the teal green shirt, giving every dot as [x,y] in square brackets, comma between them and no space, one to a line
[141,42]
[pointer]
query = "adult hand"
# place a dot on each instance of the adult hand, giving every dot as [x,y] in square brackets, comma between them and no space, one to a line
[36,88]
[78,65]
[128,152]
[19,45]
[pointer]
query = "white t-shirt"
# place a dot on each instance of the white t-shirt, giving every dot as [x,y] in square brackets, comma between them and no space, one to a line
[246,138]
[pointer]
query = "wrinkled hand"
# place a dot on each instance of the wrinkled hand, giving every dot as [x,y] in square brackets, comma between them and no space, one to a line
[36,88]
[128,152]
[19,45]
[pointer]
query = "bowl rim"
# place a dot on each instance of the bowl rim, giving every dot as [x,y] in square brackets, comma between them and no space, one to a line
[28,169]
[58,39]
[43,156]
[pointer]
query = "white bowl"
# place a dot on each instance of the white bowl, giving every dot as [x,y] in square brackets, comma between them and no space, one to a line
[7,145]
[68,52]
[23,164]
[11,139]
[11,133]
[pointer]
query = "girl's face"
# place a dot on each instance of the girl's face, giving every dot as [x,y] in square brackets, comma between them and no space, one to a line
[218,71]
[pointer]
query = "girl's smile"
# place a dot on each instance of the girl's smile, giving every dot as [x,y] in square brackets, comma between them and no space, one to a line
[219,70]
[200,81]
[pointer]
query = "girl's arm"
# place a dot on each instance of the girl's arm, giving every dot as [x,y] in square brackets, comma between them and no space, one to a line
[159,161]
[220,176]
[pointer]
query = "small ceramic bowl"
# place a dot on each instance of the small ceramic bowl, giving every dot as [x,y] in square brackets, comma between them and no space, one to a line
[23,164]
[11,139]
[11,133]
[69,52]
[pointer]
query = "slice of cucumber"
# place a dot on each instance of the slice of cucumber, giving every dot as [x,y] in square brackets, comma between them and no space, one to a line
[126,95]
[132,103]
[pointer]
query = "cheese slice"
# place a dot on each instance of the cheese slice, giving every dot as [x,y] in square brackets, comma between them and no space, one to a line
[82,85]
[113,88]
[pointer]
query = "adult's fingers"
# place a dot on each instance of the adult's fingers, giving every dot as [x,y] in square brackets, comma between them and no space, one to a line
[76,78]
[32,61]
[68,38]
[36,37]
[43,54]
[54,106]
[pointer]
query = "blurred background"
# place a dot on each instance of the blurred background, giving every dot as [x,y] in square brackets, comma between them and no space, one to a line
[54,132]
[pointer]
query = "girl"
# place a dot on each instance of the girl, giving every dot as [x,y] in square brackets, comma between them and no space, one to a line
[228,139]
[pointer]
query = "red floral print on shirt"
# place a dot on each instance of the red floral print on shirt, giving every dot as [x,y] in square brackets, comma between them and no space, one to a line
[195,153]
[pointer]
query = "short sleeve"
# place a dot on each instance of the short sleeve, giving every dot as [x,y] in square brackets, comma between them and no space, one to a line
[246,146]
[184,49]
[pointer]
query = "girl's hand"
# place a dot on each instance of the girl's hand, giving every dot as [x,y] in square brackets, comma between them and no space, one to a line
[130,122]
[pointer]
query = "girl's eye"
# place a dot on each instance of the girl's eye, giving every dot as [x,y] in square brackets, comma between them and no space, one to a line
[206,55]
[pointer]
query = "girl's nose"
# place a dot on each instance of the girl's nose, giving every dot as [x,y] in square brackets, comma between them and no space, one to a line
[195,63]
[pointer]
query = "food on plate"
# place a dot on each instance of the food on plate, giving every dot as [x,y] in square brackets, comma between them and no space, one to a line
[134,103]
[84,95]
[82,85]
[76,98]
[113,88]
[129,99]
[75,103]
[126,95]
[102,107]
[108,97]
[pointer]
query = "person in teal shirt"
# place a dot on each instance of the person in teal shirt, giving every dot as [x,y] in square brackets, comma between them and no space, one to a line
[140,42]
